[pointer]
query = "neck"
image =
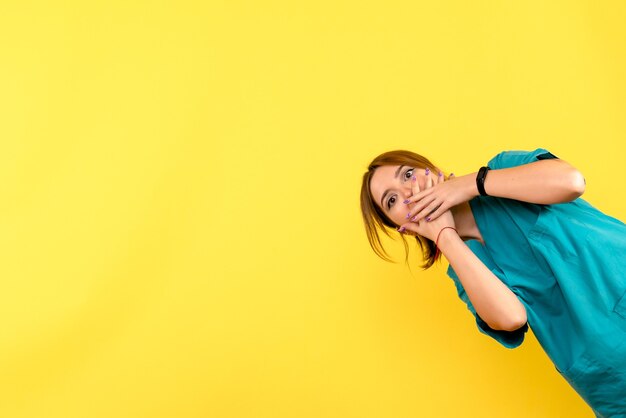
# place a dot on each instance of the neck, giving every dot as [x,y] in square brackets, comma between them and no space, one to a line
[465,223]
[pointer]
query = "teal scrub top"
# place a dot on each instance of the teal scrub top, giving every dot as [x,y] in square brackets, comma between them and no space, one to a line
[565,263]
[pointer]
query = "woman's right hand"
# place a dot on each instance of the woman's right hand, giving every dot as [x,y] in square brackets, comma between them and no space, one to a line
[422,227]
[427,229]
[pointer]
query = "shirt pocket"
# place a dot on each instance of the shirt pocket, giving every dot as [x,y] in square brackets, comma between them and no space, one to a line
[557,237]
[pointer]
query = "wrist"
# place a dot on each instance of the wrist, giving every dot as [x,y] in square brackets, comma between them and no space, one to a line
[471,186]
[445,237]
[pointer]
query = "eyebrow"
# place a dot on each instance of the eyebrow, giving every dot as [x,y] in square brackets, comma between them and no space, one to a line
[382,199]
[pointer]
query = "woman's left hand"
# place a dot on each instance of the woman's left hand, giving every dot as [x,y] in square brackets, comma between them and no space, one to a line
[431,202]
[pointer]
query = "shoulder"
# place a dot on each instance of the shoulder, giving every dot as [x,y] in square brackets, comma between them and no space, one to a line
[506,159]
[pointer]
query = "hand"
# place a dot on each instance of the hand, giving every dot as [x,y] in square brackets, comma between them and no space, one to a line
[439,197]
[426,229]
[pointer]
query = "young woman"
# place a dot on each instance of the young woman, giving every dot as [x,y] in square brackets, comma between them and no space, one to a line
[524,250]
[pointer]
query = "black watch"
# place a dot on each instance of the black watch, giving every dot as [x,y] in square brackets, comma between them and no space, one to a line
[480,180]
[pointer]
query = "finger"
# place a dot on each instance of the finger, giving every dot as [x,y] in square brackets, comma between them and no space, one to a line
[419,196]
[440,177]
[437,213]
[420,206]
[408,229]
[428,211]
[415,187]
[429,179]
[451,176]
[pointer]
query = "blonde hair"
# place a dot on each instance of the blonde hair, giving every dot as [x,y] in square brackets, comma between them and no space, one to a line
[375,219]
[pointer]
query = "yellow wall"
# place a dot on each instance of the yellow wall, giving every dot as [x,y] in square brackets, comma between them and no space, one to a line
[179,224]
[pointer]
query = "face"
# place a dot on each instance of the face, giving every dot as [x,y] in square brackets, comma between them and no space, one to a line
[391,185]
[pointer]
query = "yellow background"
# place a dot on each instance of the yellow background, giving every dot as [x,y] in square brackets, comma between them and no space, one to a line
[180,232]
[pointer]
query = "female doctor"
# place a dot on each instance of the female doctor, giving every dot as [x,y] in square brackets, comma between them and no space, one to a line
[524,251]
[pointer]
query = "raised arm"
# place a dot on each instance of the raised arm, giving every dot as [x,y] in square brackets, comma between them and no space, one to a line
[494,302]
[544,182]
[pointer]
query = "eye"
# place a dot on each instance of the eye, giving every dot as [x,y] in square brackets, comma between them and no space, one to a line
[390,202]
[408,174]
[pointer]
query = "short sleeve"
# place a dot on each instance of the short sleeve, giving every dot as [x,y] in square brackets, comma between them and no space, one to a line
[509,339]
[507,159]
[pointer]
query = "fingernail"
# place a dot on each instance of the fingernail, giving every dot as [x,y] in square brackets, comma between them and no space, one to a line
[428,219]
[414,218]
[406,202]
[451,175]
[401,229]
[440,174]
[427,171]
[414,178]
[408,215]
